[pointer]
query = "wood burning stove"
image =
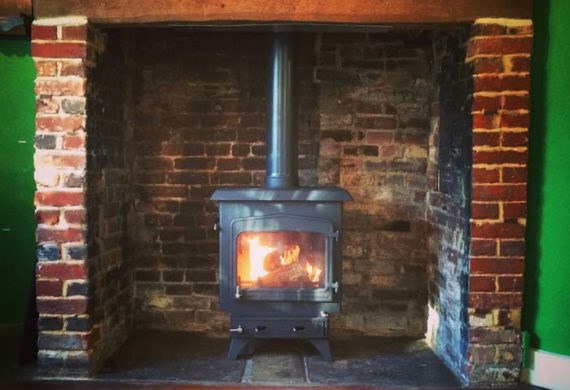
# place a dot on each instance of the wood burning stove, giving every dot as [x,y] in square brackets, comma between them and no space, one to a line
[280,252]
[280,263]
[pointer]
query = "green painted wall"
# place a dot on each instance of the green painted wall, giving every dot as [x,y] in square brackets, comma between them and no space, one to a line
[17,241]
[547,292]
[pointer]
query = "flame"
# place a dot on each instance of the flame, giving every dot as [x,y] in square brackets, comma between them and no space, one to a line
[257,253]
[316,277]
[262,256]
[309,269]
[291,255]
[314,273]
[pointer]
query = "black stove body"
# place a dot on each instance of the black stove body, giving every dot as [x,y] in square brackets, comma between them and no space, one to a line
[280,250]
[296,308]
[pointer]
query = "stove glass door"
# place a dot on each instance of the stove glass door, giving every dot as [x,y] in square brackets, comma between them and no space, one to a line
[281,259]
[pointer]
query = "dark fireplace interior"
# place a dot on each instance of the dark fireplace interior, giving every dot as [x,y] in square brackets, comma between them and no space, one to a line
[176,113]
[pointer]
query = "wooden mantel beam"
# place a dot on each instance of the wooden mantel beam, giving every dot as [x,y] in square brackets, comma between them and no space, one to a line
[296,11]
[11,8]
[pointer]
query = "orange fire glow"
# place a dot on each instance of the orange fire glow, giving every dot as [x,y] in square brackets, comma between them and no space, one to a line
[313,272]
[257,253]
[269,259]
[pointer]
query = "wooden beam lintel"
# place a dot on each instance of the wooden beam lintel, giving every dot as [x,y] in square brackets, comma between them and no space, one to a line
[294,11]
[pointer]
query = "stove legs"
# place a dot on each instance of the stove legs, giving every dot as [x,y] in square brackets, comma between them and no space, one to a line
[237,346]
[323,346]
[251,346]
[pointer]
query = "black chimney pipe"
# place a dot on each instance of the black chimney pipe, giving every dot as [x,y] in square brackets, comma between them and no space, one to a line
[281,166]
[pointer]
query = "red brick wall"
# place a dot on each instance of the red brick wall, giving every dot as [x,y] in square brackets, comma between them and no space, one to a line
[476,280]
[109,195]
[374,98]
[500,55]
[449,201]
[60,162]
[83,196]
[200,124]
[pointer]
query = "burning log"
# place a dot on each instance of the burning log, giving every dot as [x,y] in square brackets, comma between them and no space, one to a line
[284,276]
[272,261]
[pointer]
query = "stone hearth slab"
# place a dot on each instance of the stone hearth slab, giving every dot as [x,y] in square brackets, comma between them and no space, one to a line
[276,362]
[173,356]
[380,362]
[159,356]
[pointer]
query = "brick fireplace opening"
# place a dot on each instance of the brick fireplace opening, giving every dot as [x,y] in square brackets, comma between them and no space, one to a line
[425,125]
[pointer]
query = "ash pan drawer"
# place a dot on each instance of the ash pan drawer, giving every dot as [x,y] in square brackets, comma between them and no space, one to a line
[302,328]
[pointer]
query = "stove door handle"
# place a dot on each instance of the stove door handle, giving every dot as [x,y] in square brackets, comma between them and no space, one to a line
[239,329]
[335,286]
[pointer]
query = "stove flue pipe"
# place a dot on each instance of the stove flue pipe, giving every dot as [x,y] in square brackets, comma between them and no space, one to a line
[282,150]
